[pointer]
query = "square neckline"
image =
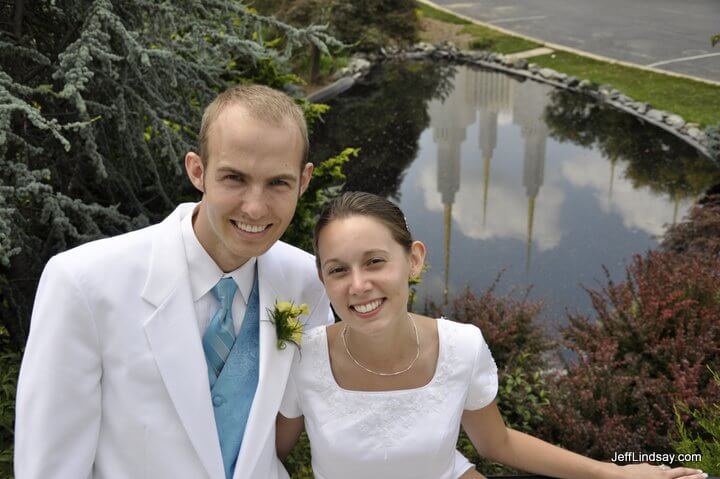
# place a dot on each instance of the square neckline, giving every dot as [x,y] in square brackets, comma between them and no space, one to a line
[440,357]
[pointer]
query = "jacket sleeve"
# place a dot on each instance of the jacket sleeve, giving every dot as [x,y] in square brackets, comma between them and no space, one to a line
[59,396]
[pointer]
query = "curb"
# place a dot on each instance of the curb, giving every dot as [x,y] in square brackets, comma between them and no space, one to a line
[564,48]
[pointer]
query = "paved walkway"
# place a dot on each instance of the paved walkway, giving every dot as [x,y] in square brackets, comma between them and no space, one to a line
[672,35]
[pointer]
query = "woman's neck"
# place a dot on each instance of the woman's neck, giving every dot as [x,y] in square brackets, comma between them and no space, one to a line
[388,349]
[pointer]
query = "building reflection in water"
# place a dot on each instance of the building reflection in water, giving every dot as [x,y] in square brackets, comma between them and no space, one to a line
[481,101]
[479,96]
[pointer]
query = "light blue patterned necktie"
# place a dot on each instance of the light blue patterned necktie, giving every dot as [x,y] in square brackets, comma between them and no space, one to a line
[220,335]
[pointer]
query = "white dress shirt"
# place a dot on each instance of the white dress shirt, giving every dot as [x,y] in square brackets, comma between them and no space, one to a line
[204,275]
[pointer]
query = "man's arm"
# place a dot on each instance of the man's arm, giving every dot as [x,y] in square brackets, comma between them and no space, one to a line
[58,398]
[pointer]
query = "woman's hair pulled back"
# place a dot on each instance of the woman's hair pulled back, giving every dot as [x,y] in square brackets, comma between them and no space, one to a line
[358,203]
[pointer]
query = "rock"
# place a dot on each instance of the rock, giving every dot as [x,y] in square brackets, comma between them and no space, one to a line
[520,64]
[547,73]
[643,108]
[533,68]
[676,121]
[656,115]
[560,76]
[694,133]
[624,99]
[414,55]
[585,85]
[341,73]
[424,47]
[692,125]
[572,81]
[359,64]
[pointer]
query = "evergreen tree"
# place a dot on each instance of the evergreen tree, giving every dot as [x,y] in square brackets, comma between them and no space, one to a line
[99,101]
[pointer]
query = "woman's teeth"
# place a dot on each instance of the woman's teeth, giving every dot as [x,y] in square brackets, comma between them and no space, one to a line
[367,307]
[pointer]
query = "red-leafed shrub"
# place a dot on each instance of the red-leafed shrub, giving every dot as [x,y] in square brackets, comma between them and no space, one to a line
[519,346]
[647,349]
[699,233]
[508,324]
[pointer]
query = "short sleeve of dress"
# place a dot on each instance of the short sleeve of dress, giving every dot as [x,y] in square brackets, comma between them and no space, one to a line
[290,405]
[483,385]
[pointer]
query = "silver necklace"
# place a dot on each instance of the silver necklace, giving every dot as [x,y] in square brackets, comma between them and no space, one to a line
[417,354]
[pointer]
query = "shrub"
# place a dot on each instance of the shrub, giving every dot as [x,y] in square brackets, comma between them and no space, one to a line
[9,369]
[705,440]
[519,347]
[646,350]
[699,233]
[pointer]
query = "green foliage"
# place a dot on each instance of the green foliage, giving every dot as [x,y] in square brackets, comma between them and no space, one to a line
[705,438]
[715,39]
[9,369]
[522,397]
[485,38]
[298,462]
[695,101]
[327,181]
[425,10]
[366,25]
[99,102]
[713,136]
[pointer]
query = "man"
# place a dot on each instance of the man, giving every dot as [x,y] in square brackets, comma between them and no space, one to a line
[152,354]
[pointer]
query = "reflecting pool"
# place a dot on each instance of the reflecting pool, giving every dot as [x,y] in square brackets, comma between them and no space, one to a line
[500,174]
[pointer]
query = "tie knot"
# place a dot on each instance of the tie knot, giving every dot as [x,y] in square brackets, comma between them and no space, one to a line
[224,291]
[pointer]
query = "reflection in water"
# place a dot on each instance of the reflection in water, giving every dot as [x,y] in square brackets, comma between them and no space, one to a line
[554,186]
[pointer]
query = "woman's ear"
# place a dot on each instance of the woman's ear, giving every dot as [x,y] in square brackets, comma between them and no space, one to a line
[417,258]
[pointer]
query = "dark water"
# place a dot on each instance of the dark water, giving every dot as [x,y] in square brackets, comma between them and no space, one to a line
[496,174]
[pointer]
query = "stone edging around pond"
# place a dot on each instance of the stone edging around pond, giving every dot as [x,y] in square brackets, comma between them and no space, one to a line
[361,64]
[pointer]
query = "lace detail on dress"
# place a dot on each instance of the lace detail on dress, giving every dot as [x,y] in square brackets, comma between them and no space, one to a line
[385,416]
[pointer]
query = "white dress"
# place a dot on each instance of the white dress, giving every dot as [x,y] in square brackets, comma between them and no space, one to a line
[391,434]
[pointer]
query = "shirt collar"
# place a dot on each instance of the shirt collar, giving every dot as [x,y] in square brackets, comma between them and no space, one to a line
[204,272]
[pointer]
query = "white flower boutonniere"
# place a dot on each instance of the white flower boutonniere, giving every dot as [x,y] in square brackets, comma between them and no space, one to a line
[288,327]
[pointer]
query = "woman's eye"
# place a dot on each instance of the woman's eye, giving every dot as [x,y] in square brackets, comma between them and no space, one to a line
[335,270]
[376,261]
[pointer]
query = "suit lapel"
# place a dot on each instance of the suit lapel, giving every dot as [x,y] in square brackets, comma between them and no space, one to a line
[274,367]
[175,342]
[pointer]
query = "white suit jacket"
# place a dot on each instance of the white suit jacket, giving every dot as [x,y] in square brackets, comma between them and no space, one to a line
[114,381]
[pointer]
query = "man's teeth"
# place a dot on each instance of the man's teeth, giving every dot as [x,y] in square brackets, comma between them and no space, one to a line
[249,228]
[367,307]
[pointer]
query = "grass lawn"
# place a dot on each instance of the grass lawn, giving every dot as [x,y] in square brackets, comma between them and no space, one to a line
[695,101]
[483,38]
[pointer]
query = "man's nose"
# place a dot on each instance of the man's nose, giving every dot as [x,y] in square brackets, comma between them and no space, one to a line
[254,203]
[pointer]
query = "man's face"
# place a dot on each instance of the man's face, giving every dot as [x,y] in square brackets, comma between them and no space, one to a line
[251,184]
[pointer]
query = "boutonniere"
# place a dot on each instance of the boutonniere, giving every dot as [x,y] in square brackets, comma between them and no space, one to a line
[288,327]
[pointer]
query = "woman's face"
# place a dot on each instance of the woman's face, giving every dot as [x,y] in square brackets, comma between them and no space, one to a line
[365,272]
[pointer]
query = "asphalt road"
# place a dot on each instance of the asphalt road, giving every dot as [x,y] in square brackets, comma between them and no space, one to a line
[666,34]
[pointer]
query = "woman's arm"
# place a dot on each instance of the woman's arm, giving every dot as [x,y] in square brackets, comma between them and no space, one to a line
[493,440]
[287,434]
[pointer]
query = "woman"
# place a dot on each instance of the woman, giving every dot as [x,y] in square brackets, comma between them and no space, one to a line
[382,393]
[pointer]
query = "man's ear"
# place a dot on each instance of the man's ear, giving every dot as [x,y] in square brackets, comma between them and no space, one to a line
[195,170]
[306,176]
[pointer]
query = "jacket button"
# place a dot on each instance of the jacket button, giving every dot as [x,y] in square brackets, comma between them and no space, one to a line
[218,400]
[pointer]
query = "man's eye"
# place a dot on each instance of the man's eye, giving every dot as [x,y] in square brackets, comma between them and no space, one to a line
[232,177]
[279,183]
[375,261]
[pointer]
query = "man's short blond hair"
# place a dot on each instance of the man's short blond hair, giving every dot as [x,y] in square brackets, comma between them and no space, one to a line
[262,103]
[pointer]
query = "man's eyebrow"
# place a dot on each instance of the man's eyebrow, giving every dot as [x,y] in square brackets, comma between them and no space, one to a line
[229,169]
[286,177]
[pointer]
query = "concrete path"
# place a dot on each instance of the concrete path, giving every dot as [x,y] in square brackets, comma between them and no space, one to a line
[672,35]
